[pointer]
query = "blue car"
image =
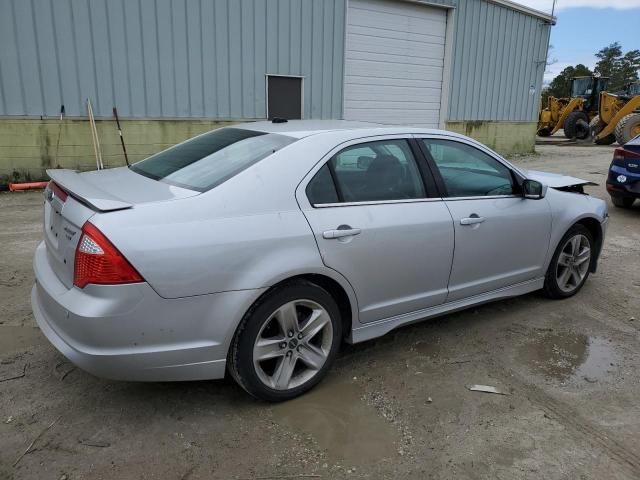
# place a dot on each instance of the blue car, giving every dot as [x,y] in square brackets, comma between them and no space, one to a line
[623,183]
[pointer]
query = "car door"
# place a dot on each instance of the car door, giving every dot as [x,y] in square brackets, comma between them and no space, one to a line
[377,220]
[501,238]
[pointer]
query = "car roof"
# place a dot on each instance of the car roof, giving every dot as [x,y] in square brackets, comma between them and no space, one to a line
[305,128]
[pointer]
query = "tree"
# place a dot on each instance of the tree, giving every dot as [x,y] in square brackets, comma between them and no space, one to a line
[630,66]
[608,60]
[550,60]
[621,69]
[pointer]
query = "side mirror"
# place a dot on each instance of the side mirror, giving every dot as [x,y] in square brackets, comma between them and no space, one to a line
[533,190]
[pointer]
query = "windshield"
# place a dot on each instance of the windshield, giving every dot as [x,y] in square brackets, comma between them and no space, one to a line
[210,159]
[581,87]
[634,89]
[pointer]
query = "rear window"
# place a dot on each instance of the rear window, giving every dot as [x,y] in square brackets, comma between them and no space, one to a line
[210,159]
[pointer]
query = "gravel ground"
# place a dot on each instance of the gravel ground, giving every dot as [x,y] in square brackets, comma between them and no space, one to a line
[396,407]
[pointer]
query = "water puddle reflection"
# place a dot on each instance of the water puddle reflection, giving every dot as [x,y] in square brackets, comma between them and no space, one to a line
[341,423]
[564,356]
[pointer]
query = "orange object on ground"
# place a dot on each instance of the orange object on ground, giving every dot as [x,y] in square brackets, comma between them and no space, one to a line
[27,186]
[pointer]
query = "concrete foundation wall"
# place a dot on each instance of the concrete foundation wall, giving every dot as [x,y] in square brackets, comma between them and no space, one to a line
[29,147]
[506,138]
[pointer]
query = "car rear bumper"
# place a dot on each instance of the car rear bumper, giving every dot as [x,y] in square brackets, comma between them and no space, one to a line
[129,332]
[630,188]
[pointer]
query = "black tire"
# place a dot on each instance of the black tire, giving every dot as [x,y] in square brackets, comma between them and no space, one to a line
[576,126]
[626,128]
[551,287]
[544,132]
[240,362]
[596,126]
[623,202]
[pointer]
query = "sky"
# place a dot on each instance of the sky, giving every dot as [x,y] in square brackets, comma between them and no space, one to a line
[586,26]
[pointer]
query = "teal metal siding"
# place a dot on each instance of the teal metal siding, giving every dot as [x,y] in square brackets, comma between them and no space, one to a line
[168,58]
[498,54]
[208,58]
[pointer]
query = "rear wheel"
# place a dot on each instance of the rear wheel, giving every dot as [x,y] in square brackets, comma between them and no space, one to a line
[596,126]
[286,342]
[576,125]
[622,202]
[569,267]
[628,127]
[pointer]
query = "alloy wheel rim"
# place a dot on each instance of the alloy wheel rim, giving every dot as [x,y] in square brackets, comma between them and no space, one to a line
[573,263]
[293,344]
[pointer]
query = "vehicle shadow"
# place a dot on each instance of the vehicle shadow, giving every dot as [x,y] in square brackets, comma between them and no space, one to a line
[448,329]
[438,338]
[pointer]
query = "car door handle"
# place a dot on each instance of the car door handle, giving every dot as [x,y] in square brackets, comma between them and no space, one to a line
[472,220]
[341,233]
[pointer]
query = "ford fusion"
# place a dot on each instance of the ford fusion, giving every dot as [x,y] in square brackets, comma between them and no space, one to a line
[258,249]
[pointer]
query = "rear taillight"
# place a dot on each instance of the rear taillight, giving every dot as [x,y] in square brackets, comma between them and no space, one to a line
[99,261]
[621,154]
[57,191]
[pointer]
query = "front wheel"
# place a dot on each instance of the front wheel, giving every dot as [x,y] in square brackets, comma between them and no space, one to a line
[286,342]
[569,268]
[577,125]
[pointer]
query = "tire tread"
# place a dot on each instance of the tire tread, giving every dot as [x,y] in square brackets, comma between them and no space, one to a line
[571,123]
[620,133]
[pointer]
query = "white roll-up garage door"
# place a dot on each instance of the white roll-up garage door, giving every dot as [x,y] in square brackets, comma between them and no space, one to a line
[394,62]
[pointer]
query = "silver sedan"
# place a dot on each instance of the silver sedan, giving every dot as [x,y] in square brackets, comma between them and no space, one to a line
[259,248]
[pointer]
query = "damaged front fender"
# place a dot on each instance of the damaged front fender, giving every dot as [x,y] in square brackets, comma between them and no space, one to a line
[559,181]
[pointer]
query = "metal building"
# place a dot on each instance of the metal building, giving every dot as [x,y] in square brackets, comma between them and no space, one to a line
[474,66]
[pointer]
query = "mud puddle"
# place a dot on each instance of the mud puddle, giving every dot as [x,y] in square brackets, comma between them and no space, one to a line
[335,415]
[429,348]
[16,339]
[567,356]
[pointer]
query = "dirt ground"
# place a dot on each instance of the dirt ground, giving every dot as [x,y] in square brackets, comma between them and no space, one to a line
[394,408]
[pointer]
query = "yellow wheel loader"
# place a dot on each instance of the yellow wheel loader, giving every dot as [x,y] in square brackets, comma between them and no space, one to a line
[573,114]
[618,116]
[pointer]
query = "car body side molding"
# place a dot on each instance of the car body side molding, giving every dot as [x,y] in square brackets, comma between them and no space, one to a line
[381,327]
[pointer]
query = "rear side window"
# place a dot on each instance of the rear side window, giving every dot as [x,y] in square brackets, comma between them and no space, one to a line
[210,159]
[321,188]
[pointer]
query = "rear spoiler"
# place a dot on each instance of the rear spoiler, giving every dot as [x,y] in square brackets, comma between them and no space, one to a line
[72,182]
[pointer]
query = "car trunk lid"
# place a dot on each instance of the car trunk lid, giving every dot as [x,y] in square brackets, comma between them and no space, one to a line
[116,188]
[72,198]
[63,220]
[628,157]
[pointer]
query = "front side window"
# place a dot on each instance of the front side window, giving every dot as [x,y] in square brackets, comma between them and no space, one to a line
[467,171]
[210,159]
